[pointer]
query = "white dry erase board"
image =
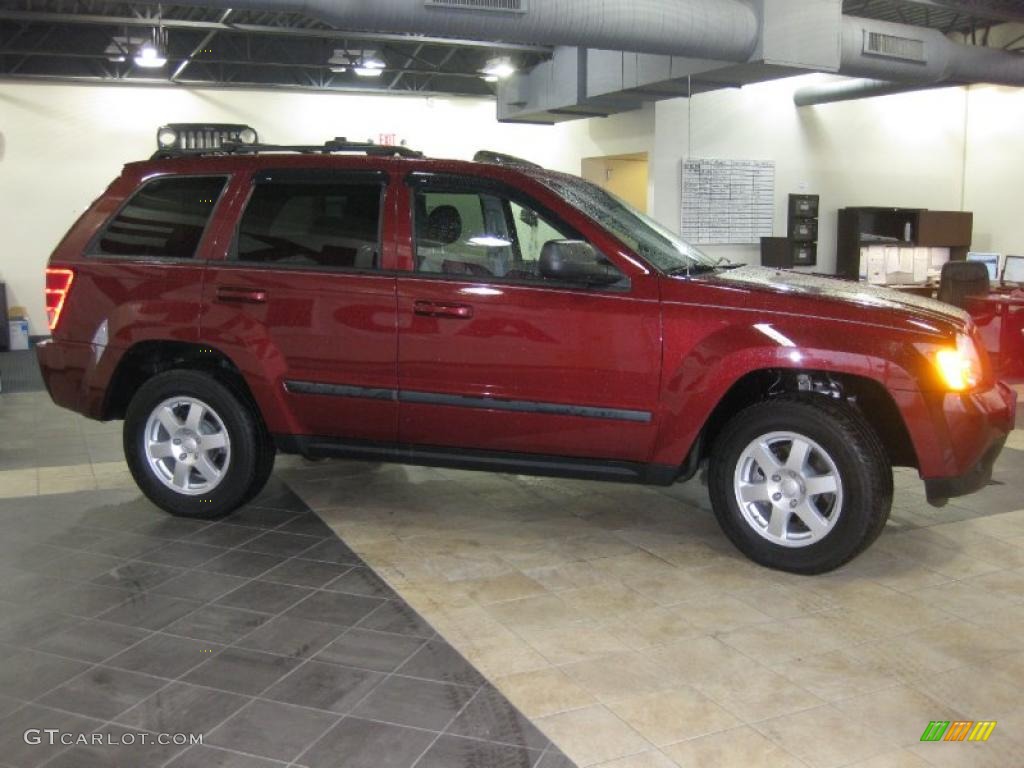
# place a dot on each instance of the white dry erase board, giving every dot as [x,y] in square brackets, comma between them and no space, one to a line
[727,201]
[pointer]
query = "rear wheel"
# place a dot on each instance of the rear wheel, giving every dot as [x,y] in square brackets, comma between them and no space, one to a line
[193,446]
[800,484]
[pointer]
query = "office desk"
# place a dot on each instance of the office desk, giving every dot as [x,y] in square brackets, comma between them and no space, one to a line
[5,338]
[1009,310]
[928,290]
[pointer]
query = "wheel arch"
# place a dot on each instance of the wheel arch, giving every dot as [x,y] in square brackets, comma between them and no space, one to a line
[146,359]
[868,396]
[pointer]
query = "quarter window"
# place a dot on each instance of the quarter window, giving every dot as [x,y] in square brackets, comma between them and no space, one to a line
[165,219]
[312,224]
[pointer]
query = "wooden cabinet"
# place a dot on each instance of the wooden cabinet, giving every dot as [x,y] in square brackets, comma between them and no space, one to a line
[945,229]
[858,227]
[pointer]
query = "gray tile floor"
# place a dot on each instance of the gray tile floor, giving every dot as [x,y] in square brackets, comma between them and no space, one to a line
[262,632]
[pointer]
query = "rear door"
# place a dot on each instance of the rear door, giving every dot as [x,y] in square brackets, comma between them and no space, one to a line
[304,301]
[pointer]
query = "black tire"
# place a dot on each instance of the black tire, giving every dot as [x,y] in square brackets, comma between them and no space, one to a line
[863,468]
[266,455]
[251,450]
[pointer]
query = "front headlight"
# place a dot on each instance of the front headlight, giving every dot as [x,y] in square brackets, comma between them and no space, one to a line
[959,367]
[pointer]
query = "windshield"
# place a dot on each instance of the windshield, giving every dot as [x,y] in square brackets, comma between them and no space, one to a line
[662,248]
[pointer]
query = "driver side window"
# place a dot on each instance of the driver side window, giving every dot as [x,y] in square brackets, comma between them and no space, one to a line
[480,234]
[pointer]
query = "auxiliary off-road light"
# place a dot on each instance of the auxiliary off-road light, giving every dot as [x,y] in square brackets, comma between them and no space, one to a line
[204,135]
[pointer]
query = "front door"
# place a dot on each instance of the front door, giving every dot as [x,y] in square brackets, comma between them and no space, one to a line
[303,303]
[494,356]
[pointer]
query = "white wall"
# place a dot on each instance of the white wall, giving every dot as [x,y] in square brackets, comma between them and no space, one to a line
[995,168]
[941,149]
[60,145]
[902,151]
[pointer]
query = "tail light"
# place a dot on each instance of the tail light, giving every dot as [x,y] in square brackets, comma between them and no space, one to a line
[58,285]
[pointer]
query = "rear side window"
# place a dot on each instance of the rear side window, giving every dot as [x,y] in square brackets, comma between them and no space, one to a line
[165,219]
[320,224]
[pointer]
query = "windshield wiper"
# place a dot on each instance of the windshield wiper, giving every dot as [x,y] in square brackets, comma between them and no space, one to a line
[690,270]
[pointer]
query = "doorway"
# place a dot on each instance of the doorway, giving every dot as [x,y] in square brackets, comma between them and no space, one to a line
[625,176]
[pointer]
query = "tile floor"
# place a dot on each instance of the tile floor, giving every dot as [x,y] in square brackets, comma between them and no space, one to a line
[263,632]
[617,619]
[623,623]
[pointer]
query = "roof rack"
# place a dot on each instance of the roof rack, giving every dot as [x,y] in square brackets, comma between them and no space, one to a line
[339,144]
[500,158]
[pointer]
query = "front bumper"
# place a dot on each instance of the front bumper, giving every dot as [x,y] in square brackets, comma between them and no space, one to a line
[940,489]
[982,422]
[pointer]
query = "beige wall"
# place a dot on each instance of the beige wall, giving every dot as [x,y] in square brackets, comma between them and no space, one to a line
[60,146]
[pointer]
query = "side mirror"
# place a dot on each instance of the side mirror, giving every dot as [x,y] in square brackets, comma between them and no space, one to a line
[576,261]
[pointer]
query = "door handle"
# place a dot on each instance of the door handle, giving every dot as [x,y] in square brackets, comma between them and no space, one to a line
[439,309]
[235,294]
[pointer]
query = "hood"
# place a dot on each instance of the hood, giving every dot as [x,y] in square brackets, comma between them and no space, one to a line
[846,293]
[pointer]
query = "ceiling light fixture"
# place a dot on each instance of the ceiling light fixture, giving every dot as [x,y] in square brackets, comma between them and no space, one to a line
[498,69]
[365,63]
[152,54]
[149,56]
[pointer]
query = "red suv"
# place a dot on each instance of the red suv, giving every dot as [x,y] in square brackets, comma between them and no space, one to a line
[352,300]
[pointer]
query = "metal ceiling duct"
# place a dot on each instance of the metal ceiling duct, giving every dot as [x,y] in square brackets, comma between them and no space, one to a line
[848,90]
[719,29]
[898,57]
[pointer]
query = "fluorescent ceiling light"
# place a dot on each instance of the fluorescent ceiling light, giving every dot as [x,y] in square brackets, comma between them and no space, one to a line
[369,71]
[150,57]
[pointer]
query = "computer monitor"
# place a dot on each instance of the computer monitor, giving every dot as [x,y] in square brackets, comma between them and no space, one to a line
[1013,270]
[990,260]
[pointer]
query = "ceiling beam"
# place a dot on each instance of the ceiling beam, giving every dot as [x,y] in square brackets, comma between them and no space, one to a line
[978,9]
[199,48]
[236,85]
[256,63]
[46,17]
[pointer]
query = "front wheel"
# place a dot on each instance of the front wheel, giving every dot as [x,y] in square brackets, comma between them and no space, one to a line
[801,484]
[193,447]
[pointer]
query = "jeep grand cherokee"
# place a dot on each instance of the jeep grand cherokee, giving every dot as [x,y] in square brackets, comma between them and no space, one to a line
[351,300]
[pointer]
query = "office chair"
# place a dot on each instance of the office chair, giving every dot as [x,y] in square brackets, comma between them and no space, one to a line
[961,279]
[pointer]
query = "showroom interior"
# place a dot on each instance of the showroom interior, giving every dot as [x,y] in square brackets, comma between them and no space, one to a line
[399,608]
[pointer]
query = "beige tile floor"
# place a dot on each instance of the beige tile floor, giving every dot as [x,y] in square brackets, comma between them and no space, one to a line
[623,623]
[621,620]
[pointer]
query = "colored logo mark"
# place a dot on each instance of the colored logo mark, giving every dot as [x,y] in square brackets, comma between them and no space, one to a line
[958,730]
